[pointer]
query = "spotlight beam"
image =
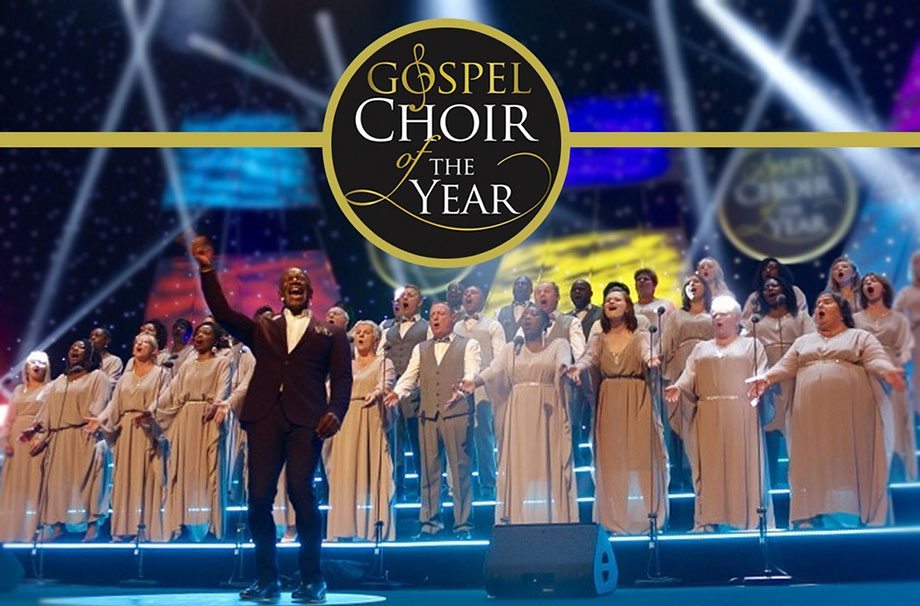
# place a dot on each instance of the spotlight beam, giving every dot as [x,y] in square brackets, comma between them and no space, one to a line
[88,181]
[137,264]
[793,28]
[220,53]
[681,104]
[880,167]
[158,116]
[330,41]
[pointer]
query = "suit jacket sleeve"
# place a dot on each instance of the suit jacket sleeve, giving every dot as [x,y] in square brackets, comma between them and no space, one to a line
[340,375]
[239,325]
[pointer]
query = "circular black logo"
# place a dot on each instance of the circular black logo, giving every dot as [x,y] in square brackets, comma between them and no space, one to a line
[445,143]
[792,204]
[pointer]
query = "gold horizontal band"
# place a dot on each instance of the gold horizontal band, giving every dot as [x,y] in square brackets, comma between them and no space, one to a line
[158,139]
[749,140]
[577,139]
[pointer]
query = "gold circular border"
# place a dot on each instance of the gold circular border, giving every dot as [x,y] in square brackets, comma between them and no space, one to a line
[845,225]
[564,146]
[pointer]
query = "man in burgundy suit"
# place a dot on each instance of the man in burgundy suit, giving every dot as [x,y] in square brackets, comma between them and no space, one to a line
[286,415]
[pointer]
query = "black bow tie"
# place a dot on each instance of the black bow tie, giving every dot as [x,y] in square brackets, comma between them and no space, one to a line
[404,320]
[442,339]
[475,316]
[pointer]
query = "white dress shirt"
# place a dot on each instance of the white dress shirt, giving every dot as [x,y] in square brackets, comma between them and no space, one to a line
[471,364]
[496,332]
[296,326]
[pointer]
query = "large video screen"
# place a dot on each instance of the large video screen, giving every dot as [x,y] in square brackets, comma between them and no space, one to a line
[244,178]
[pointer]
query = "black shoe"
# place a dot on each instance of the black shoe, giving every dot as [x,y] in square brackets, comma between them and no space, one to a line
[425,536]
[310,593]
[262,592]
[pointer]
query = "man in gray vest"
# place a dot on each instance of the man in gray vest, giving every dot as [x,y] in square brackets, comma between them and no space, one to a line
[397,344]
[491,338]
[585,312]
[509,316]
[561,326]
[445,417]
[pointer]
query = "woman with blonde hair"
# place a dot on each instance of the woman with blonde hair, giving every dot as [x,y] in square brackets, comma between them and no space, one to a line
[358,463]
[138,484]
[19,483]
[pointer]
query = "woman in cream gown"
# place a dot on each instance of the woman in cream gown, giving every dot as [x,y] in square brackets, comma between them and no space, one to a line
[140,458]
[21,477]
[838,472]
[358,464]
[192,417]
[535,483]
[631,462]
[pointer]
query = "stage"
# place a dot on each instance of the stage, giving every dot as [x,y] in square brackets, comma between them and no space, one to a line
[813,595]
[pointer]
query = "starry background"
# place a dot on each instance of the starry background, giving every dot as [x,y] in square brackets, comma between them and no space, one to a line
[60,62]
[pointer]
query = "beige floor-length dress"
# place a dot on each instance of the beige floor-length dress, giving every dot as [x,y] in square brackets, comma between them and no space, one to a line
[140,459]
[838,473]
[630,460]
[195,490]
[535,483]
[76,462]
[358,464]
[728,457]
[21,478]
[893,332]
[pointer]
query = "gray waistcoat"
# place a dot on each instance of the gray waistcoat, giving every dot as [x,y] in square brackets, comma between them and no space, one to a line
[436,381]
[401,347]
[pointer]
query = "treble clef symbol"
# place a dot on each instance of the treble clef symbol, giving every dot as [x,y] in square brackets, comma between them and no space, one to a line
[425,76]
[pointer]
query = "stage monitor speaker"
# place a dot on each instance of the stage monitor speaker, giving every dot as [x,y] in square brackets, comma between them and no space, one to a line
[10,571]
[529,560]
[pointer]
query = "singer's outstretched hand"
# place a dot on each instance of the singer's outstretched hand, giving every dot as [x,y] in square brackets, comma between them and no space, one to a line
[672,394]
[655,362]
[758,386]
[459,395]
[391,399]
[466,386]
[895,378]
[92,424]
[218,412]
[572,373]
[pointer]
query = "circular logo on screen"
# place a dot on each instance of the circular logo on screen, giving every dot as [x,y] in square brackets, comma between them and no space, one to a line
[792,204]
[445,143]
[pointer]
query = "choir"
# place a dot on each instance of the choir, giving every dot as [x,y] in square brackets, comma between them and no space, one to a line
[641,395]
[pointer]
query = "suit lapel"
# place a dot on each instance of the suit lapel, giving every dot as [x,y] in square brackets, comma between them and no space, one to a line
[307,333]
[279,324]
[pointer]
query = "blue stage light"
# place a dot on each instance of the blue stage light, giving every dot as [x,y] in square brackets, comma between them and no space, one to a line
[613,166]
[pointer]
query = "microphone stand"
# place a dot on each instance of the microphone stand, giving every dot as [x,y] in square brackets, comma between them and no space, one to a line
[141,536]
[653,576]
[235,582]
[506,427]
[38,540]
[772,575]
[378,577]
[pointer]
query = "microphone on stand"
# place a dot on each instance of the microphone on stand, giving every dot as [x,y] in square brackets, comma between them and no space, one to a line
[167,364]
[661,310]
[518,344]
